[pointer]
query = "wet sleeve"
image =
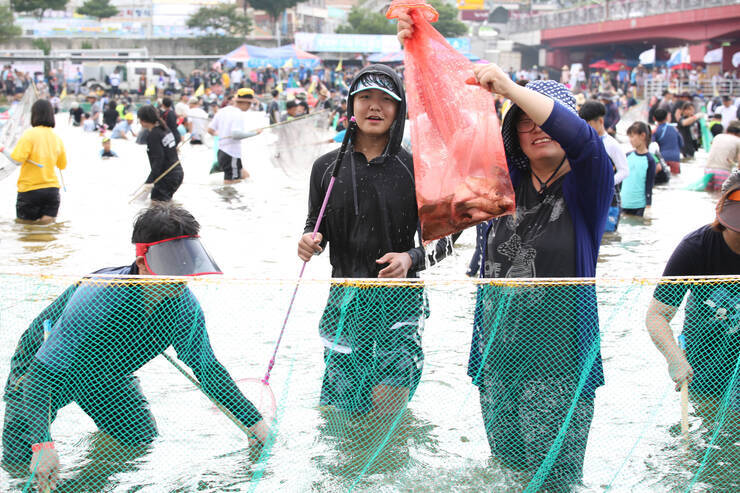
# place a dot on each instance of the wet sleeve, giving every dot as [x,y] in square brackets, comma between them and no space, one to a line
[194,349]
[156,156]
[41,384]
[683,262]
[316,194]
[649,179]
[31,341]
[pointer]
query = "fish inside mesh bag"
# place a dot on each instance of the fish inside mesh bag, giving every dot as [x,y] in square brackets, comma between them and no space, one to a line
[459,161]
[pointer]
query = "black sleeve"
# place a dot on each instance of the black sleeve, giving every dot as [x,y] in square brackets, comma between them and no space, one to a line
[172,124]
[649,179]
[683,262]
[420,259]
[41,383]
[31,341]
[316,192]
[155,150]
[194,349]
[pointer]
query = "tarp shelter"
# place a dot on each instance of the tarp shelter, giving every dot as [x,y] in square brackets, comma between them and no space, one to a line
[257,56]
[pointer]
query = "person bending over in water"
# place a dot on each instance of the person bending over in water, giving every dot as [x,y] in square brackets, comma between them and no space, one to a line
[371,335]
[101,331]
[711,328]
[38,151]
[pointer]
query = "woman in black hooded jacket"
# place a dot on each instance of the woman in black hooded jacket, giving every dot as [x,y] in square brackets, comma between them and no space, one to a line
[371,334]
[162,151]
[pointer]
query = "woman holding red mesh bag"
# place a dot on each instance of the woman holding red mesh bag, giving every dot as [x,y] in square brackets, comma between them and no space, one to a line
[535,350]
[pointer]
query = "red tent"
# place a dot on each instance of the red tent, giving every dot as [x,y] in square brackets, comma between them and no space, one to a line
[616,67]
[682,66]
[599,64]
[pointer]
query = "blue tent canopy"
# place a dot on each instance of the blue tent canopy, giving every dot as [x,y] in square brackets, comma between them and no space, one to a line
[257,56]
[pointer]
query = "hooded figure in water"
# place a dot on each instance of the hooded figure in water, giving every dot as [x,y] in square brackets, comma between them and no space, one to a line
[371,335]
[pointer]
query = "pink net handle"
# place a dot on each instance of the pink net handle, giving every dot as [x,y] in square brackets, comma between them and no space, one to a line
[404,6]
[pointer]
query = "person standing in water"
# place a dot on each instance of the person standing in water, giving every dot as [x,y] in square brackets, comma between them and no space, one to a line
[371,336]
[637,188]
[39,151]
[228,125]
[162,152]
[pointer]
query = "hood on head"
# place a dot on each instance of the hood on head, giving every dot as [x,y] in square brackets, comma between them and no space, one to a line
[396,130]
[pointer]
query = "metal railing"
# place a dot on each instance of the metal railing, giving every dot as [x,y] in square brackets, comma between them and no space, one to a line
[611,11]
[708,88]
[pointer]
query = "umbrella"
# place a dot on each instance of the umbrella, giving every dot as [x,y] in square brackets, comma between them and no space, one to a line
[599,64]
[616,67]
[682,66]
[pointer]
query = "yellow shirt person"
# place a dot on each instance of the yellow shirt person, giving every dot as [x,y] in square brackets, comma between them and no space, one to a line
[40,145]
[39,151]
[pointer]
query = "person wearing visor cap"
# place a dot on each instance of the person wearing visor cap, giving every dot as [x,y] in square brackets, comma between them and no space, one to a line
[711,328]
[372,337]
[101,331]
[228,125]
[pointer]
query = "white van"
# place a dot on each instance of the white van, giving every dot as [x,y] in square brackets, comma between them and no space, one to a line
[95,74]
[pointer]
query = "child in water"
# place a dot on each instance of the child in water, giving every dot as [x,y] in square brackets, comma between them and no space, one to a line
[107,152]
[637,188]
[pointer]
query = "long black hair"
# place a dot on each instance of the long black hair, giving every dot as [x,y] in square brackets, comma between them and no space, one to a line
[150,114]
[42,114]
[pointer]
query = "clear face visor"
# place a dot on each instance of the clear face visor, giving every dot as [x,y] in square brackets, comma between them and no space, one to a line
[180,256]
[729,216]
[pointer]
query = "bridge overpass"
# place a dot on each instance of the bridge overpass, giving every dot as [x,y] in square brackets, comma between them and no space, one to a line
[624,29]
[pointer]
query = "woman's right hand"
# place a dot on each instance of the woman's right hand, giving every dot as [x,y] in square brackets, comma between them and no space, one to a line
[405,27]
[493,78]
[680,370]
[308,247]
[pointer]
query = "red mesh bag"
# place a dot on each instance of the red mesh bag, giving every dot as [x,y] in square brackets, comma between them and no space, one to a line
[459,162]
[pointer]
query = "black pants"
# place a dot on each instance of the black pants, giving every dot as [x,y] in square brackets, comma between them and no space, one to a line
[635,212]
[117,407]
[34,204]
[165,188]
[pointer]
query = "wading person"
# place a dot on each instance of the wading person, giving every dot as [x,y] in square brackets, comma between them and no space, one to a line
[711,327]
[637,188]
[371,335]
[100,332]
[531,345]
[228,124]
[162,152]
[39,151]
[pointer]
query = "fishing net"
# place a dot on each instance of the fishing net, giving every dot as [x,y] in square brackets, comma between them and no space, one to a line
[300,142]
[19,120]
[459,162]
[137,382]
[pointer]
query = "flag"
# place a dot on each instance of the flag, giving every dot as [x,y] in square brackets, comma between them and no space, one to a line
[64,92]
[200,91]
[289,63]
[150,91]
[679,56]
[339,66]
[713,56]
[647,57]
[279,87]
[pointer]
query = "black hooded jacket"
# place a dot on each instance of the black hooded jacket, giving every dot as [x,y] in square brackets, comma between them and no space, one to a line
[372,209]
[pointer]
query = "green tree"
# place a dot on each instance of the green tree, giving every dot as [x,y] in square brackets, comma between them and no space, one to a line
[448,25]
[8,29]
[364,21]
[37,7]
[274,8]
[224,27]
[100,9]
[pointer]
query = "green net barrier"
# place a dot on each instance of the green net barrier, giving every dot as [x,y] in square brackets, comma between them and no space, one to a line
[144,385]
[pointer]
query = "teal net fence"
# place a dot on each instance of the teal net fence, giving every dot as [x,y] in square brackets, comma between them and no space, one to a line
[150,384]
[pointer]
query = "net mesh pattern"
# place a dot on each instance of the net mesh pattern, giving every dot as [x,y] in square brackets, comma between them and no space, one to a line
[379,386]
